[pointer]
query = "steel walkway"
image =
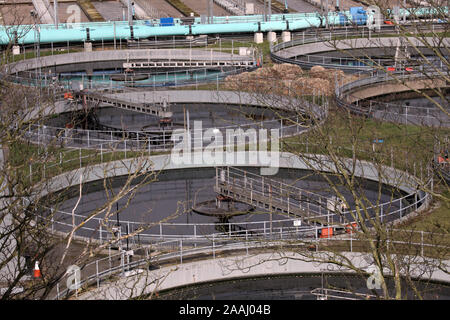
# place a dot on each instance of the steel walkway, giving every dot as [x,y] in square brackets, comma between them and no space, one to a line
[272,195]
[188,64]
[155,109]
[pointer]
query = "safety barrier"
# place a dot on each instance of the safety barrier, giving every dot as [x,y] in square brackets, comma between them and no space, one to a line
[121,264]
[278,51]
[156,80]
[95,228]
[136,141]
[388,212]
[392,112]
[130,140]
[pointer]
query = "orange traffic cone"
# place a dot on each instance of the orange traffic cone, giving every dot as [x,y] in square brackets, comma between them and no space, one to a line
[37,272]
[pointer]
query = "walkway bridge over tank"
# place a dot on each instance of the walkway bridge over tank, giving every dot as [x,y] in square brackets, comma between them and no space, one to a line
[156,109]
[273,195]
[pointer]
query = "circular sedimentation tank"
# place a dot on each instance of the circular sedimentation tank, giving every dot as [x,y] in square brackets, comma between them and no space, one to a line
[174,193]
[300,287]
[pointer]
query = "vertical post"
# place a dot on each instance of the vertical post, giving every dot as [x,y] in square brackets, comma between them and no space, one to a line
[109,256]
[122,262]
[265,10]
[246,240]
[351,241]
[262,185]
[114,28]
[281,128]
[288,200]
[181,251]
[269,6]
[128,232]
[421,234]
[217,178]
[406,114]
[55,6]
[214,253]
[96,273]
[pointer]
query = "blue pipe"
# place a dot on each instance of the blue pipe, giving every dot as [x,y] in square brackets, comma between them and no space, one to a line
[142,29]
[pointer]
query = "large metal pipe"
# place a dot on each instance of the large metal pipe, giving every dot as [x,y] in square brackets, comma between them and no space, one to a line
[121,30]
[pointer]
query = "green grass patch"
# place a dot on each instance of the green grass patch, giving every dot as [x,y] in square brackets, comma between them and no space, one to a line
[436,220]
[43,53]
[43,163]
[403,146]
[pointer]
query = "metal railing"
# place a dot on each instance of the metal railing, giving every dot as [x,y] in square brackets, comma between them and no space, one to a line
[119,265]
[442,171]
[326,293]
[397,113]
[195,77]
[347,64]
[262,191]
[137,141]
[108,138]
[147,232]
[253,188]
[382,77]
[161,42]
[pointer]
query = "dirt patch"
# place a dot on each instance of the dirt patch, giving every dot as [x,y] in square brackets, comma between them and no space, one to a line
[289,79]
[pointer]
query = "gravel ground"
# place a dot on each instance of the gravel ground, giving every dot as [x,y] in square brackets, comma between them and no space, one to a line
[301,6]
[110,10]
[165,7]
[16,14]
[201,7]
